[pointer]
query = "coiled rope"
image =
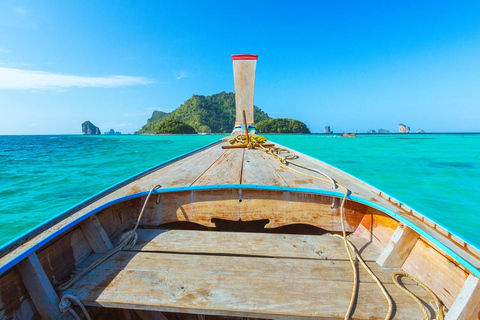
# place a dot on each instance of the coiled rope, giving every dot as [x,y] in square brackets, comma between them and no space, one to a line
[127,241]
[438,304]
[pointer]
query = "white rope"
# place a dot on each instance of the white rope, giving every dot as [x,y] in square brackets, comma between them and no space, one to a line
[65,305]
[127,240]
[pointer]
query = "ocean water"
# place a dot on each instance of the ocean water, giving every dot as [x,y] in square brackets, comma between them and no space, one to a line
[437,174]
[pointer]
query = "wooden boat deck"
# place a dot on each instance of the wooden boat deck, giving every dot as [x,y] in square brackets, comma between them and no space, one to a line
[205,272]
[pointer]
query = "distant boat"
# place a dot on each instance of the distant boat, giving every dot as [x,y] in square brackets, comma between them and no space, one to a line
[348,134]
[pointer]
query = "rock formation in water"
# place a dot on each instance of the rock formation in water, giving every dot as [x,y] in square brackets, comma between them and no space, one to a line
[403,128]
[420,131]
[327,130]
[383,131]
[371,131]
[112,132]
[90,128]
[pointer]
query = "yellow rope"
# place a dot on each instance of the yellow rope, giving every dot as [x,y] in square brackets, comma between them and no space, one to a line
[253,140]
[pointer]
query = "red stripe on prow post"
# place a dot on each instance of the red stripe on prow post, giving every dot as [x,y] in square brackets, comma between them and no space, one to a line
[244,57]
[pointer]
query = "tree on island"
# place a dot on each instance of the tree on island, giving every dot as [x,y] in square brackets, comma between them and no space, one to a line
[281,125]
[174,126]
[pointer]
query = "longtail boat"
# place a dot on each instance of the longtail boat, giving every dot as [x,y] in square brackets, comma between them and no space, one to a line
[240,229]
[351,135]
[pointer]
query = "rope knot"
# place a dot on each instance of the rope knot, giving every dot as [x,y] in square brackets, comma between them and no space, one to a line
[64,304]
[128,240]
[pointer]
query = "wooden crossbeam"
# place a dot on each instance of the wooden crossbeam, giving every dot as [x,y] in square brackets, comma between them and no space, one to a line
[398,248]
[467,304]
[96,235]
[39,287]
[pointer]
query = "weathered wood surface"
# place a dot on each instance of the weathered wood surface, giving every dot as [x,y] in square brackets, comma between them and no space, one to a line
[15,302]
[62,255]
[280,208]
[258,170]
[244,81]
[96,235]
[249,280]
[398,248]
[467,303]
[377,227]
[226,170]
[39,287]
[251,244]
[439,273]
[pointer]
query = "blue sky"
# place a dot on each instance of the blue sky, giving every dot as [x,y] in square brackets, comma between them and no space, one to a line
[350,65]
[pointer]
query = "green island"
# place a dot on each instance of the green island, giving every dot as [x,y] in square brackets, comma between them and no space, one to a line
[213,114]
[174,126]
[281,125]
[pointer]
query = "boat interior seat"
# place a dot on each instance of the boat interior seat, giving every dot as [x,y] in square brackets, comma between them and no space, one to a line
[236,274]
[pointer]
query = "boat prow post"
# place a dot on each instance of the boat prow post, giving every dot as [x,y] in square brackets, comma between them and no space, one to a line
[244,67]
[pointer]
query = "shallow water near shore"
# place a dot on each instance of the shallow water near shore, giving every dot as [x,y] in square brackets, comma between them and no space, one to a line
[437,174]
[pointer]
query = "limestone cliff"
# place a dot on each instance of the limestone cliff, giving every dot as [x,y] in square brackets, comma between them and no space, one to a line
[90,128]
[403,128]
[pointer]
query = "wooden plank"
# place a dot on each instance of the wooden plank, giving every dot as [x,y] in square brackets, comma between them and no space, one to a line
[251,244]
[237,265]
[258,170]
[244,82]
[467,304]
[39,287]
[60,258]
[96,236]
[398,248]
[226,170]
[15,302]
[279,207]
[181,173]
[377,227]
[441,275]
[148,284]
[120,217]
[297,180]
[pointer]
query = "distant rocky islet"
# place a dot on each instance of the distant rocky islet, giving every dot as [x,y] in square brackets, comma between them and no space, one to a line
[90,128]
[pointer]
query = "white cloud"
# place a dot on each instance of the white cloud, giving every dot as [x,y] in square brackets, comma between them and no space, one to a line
[11,78]
[181,75]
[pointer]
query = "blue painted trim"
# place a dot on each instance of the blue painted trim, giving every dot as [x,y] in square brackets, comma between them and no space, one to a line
[420,231]
[385,193]
[14,243]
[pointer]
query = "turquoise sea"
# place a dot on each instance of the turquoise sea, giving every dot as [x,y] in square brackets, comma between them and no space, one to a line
[437,174]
